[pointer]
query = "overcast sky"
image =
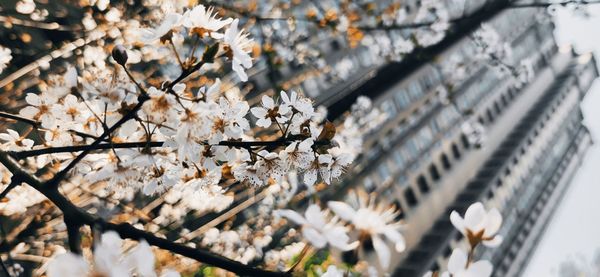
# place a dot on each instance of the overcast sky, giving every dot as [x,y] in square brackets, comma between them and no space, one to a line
[575,228]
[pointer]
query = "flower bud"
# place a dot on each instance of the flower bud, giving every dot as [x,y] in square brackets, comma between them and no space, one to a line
[119,54]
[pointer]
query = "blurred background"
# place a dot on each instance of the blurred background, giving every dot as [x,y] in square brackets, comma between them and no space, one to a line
[483,100]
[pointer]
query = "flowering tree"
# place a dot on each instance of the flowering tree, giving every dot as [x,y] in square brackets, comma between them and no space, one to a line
[153,126]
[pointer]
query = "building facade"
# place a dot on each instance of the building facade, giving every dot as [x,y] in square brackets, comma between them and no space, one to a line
[421,160]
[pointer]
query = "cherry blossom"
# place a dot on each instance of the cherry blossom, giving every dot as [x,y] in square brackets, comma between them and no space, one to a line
[372,220]
[459,266]
[204,21]
[479,225]
[5,57]
[162,32]
[317,230]
[237,48]
[109,260]
[13,141]
[269,112]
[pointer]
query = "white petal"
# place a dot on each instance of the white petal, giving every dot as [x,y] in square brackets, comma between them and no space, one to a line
[268,102]
[259,112]
[263,122]
[338,238]
[457,261]
[67,265]
[314,237]
[310,177]
[495,242]
[480,269]
[383,252]
[457,221]
[292,215]
[395,236]
[314,216]
[493,222]
[475,216]
[141,259]
[342,210]
[33,99]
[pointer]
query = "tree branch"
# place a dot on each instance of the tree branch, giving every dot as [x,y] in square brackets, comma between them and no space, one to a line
[141,144]
[73,235]
[548,4]
[19,118]
[125,230]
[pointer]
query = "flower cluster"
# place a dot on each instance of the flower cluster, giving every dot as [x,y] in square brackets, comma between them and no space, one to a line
[372,221]
[479,226]
[108,260]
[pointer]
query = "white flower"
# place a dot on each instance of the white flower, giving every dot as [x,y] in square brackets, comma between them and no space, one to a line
[340,162]
[13,141]
[25,6]
[269,165]
[320,165]
[372,220]
[458,266]
[298,154]
[161,106]
[479,225]
[162,31]
[238,46]
[40,108]
[67,265]
[317,230]
[247,173]
[333,271]
[298,103]
[204,21]
[109,260]
[269,112]
[5,57]
[229,120]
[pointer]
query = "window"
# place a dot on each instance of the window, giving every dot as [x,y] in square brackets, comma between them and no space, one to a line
[402,99]
[398,159]
[384,172]
[464,140]
[433,171]
[389,108]
[490,115]
[445,161]
[455,151]
[411,199]
[422,183]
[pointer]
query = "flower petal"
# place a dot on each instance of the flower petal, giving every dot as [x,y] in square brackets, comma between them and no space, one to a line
[457,221]
[494,242]
[383,252]
[493,220]
[474,217]
[342,210]
[67,265]
[480,269]
[291,215]
[314,237]
[314,216]
[457,261]
[395,236]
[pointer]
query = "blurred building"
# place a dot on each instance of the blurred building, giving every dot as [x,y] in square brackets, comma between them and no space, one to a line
[422,160]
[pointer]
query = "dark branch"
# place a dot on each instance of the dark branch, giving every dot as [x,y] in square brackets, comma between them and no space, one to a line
[548,4]
[142,144]
[78,216]
[19,118]
[73,235]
